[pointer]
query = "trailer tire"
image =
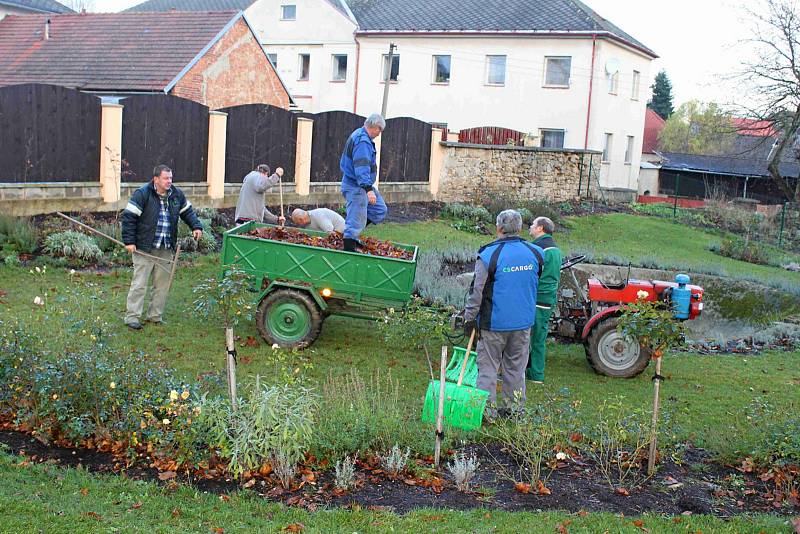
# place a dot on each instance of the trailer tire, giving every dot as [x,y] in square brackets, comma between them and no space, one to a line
[289,318]
[612,354]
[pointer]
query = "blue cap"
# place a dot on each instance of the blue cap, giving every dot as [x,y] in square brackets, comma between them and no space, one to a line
[682,278]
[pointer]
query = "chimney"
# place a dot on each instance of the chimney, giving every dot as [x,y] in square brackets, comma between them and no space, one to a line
[47,29]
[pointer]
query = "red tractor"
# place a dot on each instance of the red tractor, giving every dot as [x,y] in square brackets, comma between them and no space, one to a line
[592,317]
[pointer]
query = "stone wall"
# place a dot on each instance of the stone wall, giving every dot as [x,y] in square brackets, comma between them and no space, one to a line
[33,199]
[472,173]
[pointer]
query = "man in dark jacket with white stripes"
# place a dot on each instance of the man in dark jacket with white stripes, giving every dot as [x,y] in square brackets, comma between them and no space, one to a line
[150,225]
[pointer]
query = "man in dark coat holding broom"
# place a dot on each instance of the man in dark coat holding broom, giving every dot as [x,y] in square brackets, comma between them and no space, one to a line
[502,308]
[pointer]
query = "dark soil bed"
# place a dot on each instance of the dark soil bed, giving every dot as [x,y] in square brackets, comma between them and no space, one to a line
[697,486]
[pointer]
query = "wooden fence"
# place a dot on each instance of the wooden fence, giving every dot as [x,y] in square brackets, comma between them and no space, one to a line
[331,130]
[405,150]
[48,134]
[491,135]
[258,133]
[164,129]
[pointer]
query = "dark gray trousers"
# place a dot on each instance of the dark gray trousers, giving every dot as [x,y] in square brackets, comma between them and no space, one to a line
[506,352]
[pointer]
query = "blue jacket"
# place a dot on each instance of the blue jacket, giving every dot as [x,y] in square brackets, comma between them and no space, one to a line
[509,295]
[358,165]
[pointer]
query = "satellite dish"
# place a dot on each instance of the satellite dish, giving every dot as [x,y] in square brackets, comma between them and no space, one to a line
[612,65]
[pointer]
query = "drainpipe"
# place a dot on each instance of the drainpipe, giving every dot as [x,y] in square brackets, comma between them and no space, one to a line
[358,63]
[591,86]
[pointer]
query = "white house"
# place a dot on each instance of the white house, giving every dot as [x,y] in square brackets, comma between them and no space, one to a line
[552,68]
[28,7]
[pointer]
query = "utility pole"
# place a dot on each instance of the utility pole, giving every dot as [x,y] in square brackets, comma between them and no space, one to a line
[387,78]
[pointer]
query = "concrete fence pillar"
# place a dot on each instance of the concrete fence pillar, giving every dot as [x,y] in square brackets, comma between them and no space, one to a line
[110,151]
[437,162]
[377,142]
[215,170]
[302,157]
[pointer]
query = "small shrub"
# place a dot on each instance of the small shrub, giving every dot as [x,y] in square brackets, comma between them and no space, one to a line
[18,235]
[273,424]
[72,244]
[415,326]
[345,473]
[439,287]
[618,443]
[367,415]
[462,469]
[11,260]
[216,218]
[742,249]
[531,438]
[112,230]
[207,243]
[394,462]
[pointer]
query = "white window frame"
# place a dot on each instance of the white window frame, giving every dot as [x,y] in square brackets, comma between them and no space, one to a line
[547,60]
[543,131]
[613,83]
[635,83]
[435,68]
[335,67]
[384,65]
[629,150]
[608,145]
[283,11]
[489,69]
[300,77]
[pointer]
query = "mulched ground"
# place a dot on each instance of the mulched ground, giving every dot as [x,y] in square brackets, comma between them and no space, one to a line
[696,486]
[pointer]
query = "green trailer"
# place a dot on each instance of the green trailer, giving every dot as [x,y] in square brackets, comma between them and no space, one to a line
[300,285]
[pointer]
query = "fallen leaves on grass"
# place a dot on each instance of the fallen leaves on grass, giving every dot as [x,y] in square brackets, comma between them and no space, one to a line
[541,489]
[796,524]
[136,505]
[562,527]
[250,342]
[167,475]
[294,527]
[94,515]
[84,491]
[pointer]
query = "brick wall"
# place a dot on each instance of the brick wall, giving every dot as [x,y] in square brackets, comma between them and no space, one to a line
[474,172]
[234,71]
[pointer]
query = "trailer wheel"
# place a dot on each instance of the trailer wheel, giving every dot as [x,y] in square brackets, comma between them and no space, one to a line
[612,354]
[289,318]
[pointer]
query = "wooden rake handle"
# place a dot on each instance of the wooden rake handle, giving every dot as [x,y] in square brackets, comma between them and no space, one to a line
[466,357]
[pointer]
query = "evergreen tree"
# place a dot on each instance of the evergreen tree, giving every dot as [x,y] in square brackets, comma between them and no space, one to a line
[661,101]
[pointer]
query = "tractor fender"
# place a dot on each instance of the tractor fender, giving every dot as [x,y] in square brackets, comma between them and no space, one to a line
[308,288]
[608,312]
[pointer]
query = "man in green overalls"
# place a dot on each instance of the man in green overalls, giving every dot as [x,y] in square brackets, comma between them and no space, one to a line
[546,295]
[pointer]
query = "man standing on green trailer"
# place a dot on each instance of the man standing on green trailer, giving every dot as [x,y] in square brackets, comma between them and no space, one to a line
[546,295]
[359,168]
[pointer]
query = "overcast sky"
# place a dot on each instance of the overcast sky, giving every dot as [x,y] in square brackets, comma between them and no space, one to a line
[695,39]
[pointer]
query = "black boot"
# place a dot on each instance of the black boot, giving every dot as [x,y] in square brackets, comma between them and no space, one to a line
[350,245]
[369,222]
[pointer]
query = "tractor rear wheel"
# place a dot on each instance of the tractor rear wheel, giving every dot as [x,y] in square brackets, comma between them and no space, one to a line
[289,318]
[613,354]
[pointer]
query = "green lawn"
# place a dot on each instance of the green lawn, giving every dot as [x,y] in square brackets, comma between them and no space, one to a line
[706,397]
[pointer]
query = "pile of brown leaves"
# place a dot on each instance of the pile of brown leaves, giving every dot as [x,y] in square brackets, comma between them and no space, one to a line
[334,241]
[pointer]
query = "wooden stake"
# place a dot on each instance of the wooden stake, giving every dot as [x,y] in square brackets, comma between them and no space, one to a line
[651,457]
[280,190]
[440,414]
[231,367]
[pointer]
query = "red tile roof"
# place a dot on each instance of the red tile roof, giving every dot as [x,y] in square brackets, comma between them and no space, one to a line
[105,51]
[754,127]
[653,124]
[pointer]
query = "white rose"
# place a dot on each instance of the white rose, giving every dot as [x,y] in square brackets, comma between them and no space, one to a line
[275,346]
[642,294]
[38,301]
[561,456]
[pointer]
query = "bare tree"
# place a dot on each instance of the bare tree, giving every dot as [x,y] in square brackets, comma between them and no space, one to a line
[772,76]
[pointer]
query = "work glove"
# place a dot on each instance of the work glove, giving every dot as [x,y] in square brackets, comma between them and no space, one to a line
[469,326]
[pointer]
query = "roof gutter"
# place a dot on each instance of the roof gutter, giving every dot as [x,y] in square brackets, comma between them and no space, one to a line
[512,33]
[358,64]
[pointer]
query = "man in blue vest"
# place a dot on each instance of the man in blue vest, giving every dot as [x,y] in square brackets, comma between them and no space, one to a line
[359,167]
[502,308]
